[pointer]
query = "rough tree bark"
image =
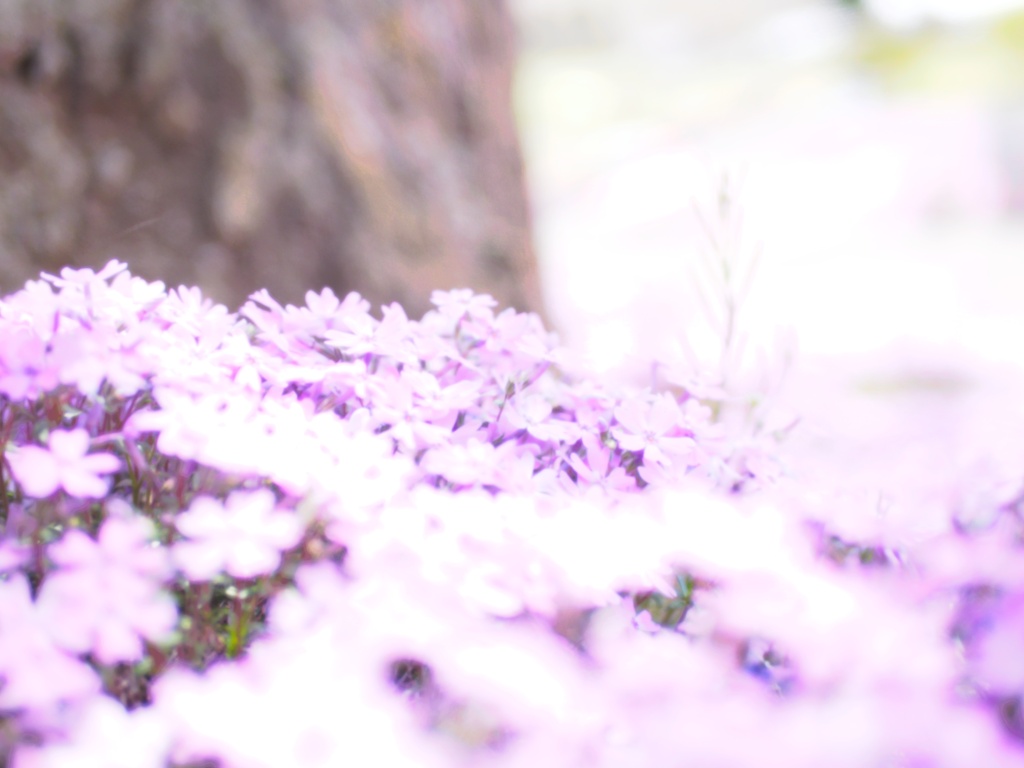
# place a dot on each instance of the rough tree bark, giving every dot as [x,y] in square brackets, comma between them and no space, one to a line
[237,144]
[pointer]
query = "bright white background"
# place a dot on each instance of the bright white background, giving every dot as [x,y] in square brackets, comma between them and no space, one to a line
[878,160]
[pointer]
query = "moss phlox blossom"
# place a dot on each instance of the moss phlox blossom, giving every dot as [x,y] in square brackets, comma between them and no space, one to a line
[313,535]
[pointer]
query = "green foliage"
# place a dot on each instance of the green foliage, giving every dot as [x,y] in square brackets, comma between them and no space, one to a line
[668,610]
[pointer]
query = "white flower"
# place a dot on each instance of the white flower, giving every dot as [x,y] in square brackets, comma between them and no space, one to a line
[243,536]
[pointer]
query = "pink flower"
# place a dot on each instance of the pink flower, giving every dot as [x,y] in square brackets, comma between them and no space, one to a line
[36,673]
[476,462]
[357,338]
[66,464]
[459,302]
[106,594]
[396,405]
[532,412]
[521,338]
[322,311]
[24,367]
[598,470]
[312,319]
[243,536]
[997,661]
[104,735]
[654,428]
[393,335]
[443,403]
[71,277]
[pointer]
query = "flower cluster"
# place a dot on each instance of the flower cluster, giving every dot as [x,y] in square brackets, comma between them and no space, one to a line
[309,536]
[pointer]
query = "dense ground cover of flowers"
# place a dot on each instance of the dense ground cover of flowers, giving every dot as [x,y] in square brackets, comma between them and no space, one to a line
[303,536]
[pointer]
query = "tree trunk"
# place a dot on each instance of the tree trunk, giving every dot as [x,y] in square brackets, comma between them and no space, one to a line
[289,144]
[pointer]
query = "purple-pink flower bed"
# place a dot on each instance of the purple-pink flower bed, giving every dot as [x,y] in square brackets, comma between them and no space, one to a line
[303,536]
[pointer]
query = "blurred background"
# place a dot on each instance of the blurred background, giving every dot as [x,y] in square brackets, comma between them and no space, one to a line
[364,145]
[876,151]
[830,192]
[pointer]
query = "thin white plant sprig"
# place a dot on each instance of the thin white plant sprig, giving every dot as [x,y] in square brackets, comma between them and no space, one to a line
[718,359]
